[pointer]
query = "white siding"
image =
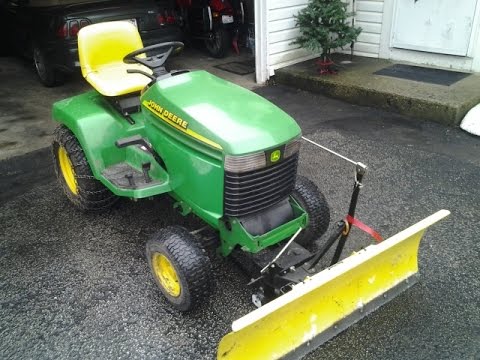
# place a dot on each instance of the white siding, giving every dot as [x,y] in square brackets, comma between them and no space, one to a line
[368,16]
[281,31]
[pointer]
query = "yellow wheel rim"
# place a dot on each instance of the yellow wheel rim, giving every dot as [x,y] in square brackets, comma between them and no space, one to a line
[66,168]
[166,274]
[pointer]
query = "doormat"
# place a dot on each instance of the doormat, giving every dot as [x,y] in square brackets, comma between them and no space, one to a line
[426,75]
[238,67]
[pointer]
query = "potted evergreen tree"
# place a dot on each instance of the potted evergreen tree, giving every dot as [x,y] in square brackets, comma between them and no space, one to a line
[324,27]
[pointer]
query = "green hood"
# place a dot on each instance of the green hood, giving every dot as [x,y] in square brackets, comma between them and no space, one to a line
[224,114]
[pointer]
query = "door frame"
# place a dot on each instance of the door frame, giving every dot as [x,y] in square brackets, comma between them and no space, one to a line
[261,41]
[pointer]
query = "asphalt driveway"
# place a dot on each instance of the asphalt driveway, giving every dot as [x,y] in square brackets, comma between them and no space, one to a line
[76,285]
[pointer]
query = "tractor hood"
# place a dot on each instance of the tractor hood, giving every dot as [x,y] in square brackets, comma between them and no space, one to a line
[218,113]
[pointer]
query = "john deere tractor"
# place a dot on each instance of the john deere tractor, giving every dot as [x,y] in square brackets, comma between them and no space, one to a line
[222,153]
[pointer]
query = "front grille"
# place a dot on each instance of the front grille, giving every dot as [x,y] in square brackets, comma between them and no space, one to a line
[249,192]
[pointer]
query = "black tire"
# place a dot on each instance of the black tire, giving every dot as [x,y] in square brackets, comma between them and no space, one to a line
[90,194]
[220,44]
[48,75]
[193,270]
[310,198]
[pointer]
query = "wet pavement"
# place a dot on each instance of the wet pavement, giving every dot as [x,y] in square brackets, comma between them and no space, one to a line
[76,285]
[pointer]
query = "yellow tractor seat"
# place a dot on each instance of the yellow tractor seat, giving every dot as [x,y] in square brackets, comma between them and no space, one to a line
[101,49]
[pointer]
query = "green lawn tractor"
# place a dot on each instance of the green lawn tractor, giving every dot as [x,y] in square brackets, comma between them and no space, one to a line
[230,157]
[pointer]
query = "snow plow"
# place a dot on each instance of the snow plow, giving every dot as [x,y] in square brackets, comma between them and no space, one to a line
[327,303]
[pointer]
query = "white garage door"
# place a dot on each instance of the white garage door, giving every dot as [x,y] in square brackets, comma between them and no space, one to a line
[439,26]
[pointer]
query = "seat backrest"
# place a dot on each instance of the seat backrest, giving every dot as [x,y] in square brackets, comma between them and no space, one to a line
[105,44]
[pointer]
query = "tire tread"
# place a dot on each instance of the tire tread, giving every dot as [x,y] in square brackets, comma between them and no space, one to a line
[316,206]
[92,194]
[190,260]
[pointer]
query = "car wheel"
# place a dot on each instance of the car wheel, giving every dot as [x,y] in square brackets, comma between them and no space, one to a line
[47,74]
[181,268]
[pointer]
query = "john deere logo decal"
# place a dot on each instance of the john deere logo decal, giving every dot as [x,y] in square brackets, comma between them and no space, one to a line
[165,115]
[275,156]
[177,122]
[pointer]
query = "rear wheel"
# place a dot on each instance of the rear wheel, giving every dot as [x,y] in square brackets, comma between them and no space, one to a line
[48,75]
[75,176]
[220,43]
[310,198]
[181,269]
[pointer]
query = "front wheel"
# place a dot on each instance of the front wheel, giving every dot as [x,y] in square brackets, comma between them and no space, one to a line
[309,197]
[181,269]
[219,44]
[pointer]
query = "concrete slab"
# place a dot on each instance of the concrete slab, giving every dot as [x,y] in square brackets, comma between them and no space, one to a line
[25,105]
[357,84]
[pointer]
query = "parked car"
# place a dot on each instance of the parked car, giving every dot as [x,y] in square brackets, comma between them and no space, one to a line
[46,30]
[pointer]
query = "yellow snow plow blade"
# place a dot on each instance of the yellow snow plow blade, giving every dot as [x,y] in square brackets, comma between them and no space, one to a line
[328,302]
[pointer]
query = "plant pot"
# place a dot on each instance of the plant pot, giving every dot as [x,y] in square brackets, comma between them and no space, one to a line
[325,67]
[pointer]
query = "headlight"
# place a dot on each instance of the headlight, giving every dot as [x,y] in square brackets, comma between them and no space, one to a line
[292,148]
[244,163]
[250,162]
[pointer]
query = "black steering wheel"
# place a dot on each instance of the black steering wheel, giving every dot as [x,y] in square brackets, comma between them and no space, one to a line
[154,61]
